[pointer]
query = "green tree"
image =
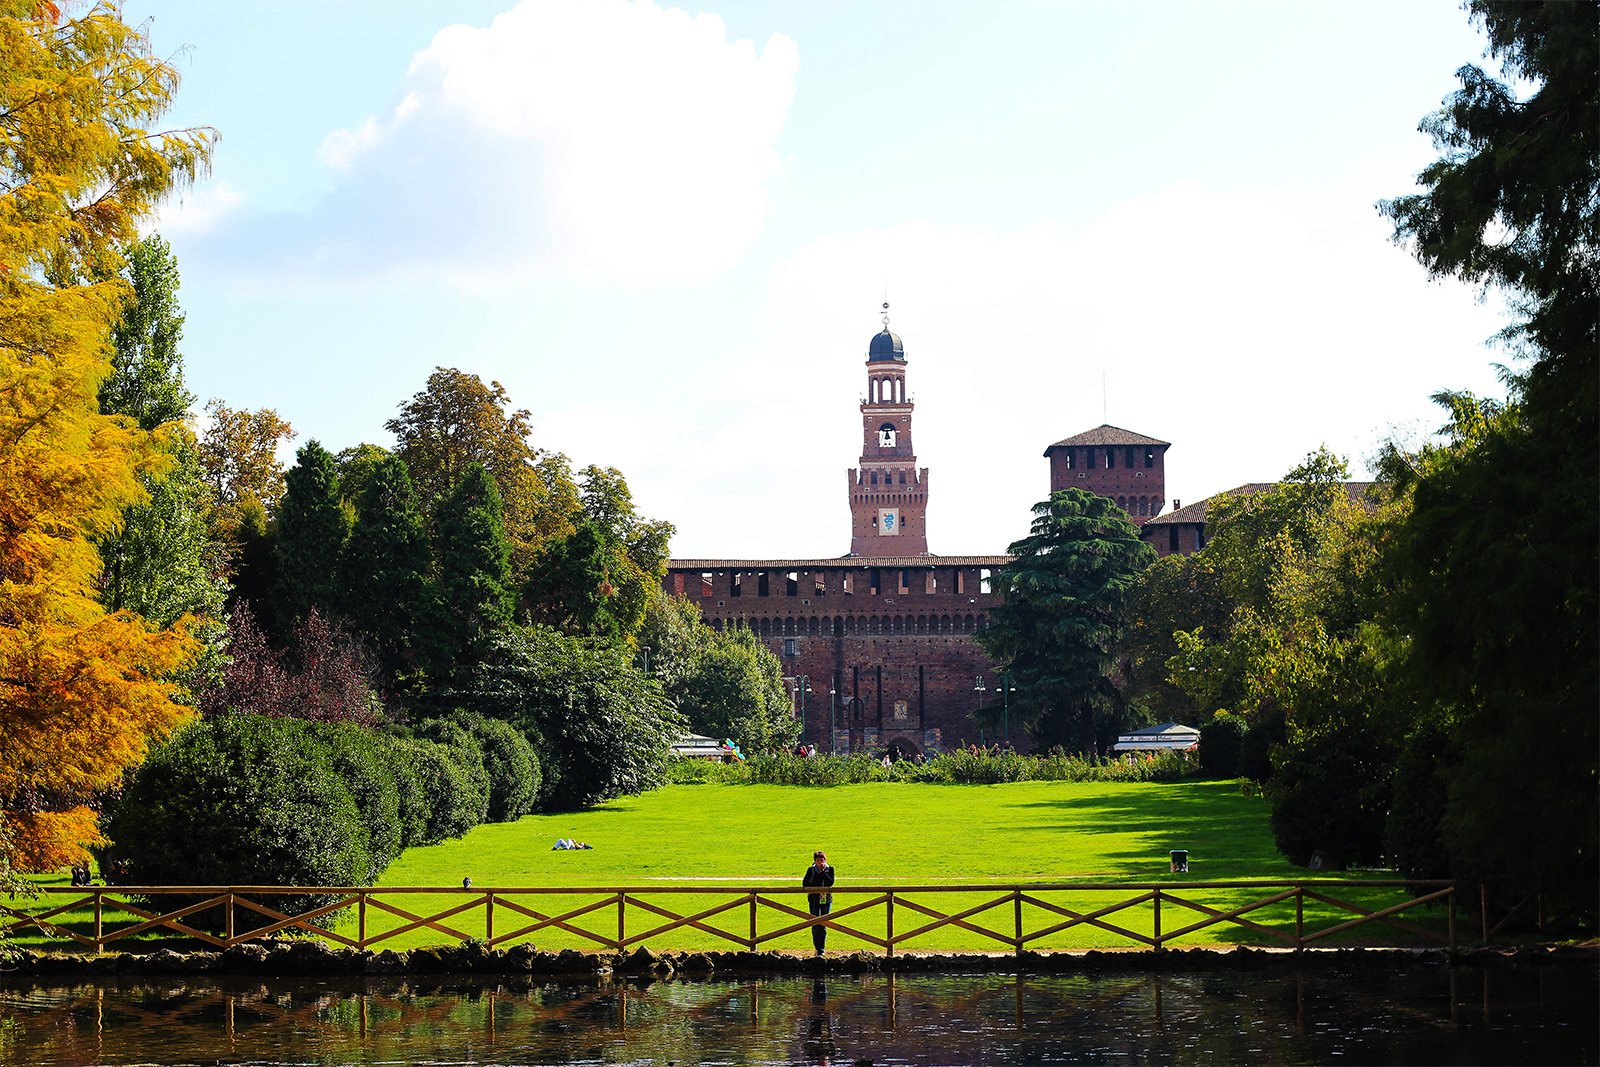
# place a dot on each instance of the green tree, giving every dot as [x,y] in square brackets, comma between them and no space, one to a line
[385,567]
[1493,566]
[146,380]
[163,561]
[458,421]
[735,689]
[600,726]
[471,599]
[356,466]
[571,588]
[312,528]
[1063,615]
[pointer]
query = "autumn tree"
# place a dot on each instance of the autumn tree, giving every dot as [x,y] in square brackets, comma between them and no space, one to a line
[239,452]
[83,690]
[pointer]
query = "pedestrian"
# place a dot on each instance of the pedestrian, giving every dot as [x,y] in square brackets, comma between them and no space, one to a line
[819,874]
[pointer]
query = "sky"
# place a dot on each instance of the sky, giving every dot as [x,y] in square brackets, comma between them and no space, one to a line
[668,231]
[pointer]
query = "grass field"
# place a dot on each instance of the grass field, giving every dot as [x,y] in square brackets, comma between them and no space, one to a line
[874,834]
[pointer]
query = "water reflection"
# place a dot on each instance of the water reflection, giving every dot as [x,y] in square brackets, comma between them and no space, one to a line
[1425,1014]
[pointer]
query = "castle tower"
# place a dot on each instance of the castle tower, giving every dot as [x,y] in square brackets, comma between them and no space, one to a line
[1123,466]
[888,494]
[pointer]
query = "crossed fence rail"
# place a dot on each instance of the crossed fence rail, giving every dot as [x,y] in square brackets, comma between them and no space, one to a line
[888,918]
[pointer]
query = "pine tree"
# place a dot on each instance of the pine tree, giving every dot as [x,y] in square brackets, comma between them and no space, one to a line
[312,528]
[471,599]
[385,566]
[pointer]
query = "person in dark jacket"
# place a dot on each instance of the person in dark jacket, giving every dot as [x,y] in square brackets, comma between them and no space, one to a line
[819,874]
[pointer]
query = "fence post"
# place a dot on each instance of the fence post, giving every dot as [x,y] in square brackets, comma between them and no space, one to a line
[889,929]
[99,924]
[1157,945]
[1016,913]
[752,920]
[228,911]
[361,919]
[1299,917]
[1452,918]
[488,918]
[622,922]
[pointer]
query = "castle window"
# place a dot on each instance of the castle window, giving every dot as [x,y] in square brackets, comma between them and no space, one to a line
[874,477]
[1128,460]
[791,647]
[1111,458]
[1199,538]
[872,582]
[905,583]
[886,435]
[736,584]
[762,588]
[1172,538]
[791,584]
[847,587]
[902,477]
[705,583]
[822,586]
[961,582]
[1071,455]
[1149,457]
[984,580]
[930,582]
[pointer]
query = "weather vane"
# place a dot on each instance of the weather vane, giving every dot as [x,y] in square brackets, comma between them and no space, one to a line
[886,314]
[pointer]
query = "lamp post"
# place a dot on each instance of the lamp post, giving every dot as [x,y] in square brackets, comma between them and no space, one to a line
[979,688]
[1005,704]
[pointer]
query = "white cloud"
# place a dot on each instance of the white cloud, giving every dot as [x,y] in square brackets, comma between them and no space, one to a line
[614,140]
[198,210]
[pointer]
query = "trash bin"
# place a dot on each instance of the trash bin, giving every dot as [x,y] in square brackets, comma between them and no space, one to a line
[1180,860]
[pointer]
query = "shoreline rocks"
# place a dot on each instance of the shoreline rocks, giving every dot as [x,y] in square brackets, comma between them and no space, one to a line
[308,958]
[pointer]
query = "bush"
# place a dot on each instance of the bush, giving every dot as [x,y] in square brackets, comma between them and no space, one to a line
[1222,746]
[958,767]
[508,760]
[453,802]
[363,762]
[464,749]
[239,800]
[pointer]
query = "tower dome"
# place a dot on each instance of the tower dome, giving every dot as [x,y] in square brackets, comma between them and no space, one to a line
[886,346]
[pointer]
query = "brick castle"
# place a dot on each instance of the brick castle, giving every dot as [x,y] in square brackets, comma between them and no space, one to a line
[879,646]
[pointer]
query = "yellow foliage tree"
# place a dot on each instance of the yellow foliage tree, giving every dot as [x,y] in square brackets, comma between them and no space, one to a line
[82,691]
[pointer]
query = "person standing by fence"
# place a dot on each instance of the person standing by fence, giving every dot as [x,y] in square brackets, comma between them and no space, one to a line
[819,874]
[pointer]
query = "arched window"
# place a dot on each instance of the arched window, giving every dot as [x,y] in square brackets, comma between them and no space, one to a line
[886,435]
[968,623]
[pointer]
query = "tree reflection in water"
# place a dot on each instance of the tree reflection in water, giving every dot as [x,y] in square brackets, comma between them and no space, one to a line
[1308,1014]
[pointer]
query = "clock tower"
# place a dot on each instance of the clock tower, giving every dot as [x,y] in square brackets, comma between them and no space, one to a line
[888,494]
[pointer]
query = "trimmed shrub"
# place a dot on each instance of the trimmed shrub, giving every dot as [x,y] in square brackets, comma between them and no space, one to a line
[452,801]
[959,767]
[509,761]
[464,749]
[362,761]
[238,800]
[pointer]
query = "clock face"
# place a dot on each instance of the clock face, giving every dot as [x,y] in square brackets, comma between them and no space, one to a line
[889,522]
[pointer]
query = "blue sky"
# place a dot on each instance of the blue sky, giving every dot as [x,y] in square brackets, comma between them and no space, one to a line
[667,231]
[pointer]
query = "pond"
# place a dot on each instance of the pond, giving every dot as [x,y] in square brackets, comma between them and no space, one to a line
[1304,1014]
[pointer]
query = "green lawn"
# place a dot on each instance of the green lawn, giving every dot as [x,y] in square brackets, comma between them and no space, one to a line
[874,834]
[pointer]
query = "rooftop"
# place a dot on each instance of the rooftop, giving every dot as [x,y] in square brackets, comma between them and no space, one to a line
[1107,435]
[906,562]
[1197,512]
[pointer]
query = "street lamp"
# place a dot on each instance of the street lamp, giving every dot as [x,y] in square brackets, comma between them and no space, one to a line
[980,689]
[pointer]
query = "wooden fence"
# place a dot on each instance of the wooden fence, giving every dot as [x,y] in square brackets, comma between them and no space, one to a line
[888,918]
